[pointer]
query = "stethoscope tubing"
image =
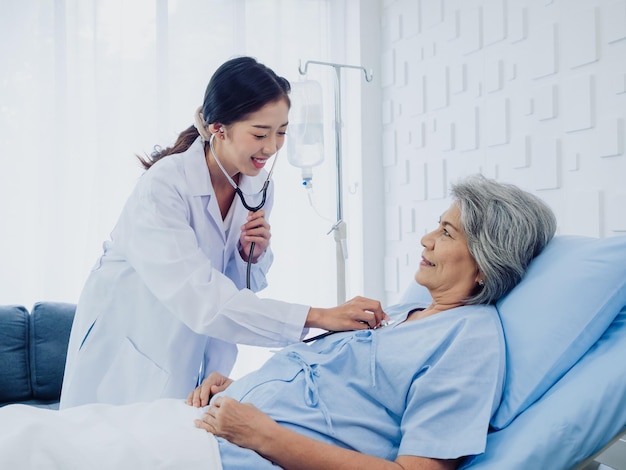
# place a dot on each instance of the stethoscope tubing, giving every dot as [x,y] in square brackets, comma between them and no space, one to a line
[243,201]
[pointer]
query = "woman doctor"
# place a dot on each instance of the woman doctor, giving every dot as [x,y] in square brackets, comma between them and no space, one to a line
[166,302]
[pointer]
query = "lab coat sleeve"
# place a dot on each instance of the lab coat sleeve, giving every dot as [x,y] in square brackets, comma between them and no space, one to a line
[156,237]
[237,268]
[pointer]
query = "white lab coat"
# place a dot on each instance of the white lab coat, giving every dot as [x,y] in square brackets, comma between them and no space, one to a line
[166,302]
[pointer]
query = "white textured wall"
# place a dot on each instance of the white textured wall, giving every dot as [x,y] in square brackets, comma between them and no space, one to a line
[525,91]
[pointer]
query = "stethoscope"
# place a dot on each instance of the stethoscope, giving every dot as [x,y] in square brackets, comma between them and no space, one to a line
[243,199]
[332,332]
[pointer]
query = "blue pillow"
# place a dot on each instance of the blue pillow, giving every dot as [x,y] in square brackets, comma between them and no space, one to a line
[14,379]
[575,419]
[570,295]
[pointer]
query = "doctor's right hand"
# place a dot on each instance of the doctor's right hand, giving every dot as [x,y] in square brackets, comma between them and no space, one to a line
[359,313]
[209,387]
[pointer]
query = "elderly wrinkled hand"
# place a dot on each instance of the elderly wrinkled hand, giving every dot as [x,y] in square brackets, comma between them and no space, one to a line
[240,423]
[210,386]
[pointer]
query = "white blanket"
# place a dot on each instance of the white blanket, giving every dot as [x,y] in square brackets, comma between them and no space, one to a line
[155,435]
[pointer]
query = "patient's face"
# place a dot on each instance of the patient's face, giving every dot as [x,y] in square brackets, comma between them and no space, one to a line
[447,269]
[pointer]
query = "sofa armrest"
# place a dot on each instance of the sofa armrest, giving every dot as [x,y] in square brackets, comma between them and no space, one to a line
[50,325]
[14,360]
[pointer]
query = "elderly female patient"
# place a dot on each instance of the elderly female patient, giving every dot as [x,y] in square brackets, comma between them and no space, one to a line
[415,394]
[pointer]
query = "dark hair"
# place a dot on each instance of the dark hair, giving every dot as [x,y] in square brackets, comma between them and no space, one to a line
[240,86]
[506,227]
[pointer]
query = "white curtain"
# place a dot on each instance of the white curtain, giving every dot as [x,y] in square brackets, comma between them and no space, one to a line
[85,85]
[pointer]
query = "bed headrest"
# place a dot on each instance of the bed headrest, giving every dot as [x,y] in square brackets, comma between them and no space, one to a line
[569,296]
[573,420]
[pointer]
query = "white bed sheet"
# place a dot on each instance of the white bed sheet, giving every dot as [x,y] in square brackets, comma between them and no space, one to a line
[158,435]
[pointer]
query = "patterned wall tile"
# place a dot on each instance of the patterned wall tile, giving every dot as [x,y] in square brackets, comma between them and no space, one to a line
[525,91]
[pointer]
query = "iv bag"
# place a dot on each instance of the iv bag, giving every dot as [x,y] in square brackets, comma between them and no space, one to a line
[305,136]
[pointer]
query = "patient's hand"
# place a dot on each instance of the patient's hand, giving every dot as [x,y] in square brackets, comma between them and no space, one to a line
[213,384]
[240,423]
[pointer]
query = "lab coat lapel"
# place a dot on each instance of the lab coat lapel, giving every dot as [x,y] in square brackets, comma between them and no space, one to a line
[239,215]
[199,179]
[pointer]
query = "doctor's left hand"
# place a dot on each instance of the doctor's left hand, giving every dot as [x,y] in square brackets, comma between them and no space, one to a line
[257,230]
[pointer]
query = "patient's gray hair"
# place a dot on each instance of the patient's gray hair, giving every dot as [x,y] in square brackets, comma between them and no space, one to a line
[505,227]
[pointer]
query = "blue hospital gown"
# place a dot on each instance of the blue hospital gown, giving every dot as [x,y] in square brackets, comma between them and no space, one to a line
[426,387]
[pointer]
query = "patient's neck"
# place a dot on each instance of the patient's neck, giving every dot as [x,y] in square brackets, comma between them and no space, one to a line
[432,309]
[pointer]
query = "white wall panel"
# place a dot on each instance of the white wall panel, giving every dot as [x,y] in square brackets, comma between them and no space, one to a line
[458,78]
[577,103]
[521,152]
[467,126]
[525,91]
[517,21]
[545,163]
[610,137]
[494,21]
[619,83]
[391,274]
[544,102]
[436,183]
[494,75]
[390,155]
[544,45]
[582,213]
[417,180]
[615,21]
[616,213]
[432,12]
[411,18]
[580,38]
[445,134]
[408,219]
[496,121]
[471,29]
[392,223]
[437,87]
[387,68]
[416,101]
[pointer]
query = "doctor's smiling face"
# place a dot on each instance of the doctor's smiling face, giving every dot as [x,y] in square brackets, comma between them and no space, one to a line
[245,146]
[447,268]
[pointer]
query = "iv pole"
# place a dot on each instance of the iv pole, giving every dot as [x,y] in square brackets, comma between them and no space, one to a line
[339,227]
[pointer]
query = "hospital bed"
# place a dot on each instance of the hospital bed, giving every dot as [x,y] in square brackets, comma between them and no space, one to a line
[564,396]
[564,399]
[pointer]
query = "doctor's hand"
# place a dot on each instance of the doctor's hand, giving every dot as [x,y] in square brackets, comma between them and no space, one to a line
[257,230]
[210,386]
[359,313]
[240,423]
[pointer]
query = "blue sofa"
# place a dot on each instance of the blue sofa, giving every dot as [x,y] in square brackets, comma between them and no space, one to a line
[33,346]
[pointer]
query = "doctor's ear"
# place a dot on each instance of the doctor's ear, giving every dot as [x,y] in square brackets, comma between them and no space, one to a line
[217,128]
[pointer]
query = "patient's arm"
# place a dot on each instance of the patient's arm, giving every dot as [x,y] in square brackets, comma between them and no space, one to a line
[246,426]
[203,393]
